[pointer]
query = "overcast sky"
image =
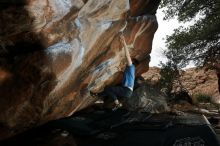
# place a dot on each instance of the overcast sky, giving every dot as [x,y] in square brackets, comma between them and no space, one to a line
[165,28]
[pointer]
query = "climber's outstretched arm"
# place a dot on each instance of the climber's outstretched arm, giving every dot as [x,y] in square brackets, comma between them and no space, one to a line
[127,55]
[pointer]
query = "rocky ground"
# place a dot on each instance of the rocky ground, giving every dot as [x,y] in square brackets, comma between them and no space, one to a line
[99,127]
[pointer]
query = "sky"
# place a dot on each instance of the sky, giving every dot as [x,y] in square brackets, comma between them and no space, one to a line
[165,27]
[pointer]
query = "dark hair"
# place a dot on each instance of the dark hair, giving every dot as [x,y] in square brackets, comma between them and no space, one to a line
[135,61]
[148,58]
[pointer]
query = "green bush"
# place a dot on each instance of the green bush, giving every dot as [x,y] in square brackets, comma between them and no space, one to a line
[200,97]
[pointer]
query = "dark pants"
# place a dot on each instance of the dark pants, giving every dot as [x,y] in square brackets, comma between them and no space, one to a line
[115,92]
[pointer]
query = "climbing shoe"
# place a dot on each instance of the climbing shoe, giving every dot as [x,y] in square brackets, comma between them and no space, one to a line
[117,106]
[94,94]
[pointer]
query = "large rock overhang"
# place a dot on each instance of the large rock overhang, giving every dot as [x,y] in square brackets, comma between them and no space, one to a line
[53,52]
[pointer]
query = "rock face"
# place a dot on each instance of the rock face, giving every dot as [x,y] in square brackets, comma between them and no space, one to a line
[53,52]
[200,81]
[147,99]
[196,81]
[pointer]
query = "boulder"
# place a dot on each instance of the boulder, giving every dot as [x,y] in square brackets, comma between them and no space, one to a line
[147,99]
[53,52]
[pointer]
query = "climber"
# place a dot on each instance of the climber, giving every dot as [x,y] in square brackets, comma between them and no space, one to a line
[126,88]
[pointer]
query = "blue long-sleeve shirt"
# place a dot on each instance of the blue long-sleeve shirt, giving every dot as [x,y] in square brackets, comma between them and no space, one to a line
[129,77]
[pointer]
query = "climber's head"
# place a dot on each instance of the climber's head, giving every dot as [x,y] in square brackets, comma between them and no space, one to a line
[144,61]
[135,62]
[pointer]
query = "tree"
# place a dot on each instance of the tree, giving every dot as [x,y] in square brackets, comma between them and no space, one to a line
[170,80]
[169,73]
[199,42]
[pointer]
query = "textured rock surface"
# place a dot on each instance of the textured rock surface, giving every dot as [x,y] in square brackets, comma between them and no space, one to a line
[194,80]
[52,52]
[147,99]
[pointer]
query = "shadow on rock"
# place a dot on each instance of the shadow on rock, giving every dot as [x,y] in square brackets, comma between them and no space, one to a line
[24,77]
